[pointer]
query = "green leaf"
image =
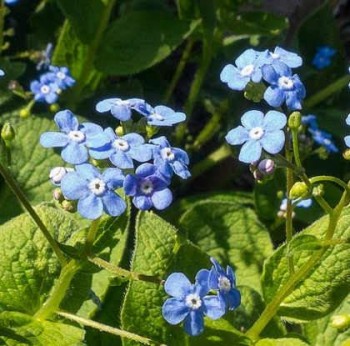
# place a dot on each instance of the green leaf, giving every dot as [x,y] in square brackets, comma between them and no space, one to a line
[18,329]
[229,230]
[140,40]
[324,286]
[160,251]
[84,16]
[321,332]
[30,165]
[281,342]
[28,265]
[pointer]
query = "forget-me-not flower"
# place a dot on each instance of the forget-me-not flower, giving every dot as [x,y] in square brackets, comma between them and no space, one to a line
[73,138]
[189,302]
[248,68]
[122,150]
[45,90]
[280,55]
[323,57]
[164,116]
[94,191]
[122,109]
[224,282]
[148,188]
[284,87]
[170,160]
[258,132]
[61,77]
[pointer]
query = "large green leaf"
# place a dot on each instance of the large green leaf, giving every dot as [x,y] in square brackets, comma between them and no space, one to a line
[30,165]
[85,16]
[281,342]
[325,286]
[28,266]
[18,329]
[229,230]
[160,251]
[139,40]
[321,332]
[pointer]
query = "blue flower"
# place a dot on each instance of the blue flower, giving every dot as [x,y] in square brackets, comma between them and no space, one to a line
[189,303]
[170,160]
[319,136]
[121,109]
[284,87]
[164,116]
[323,57]
[148,187]
[94,191]
[298,203]
[225,284]
[61,77]
[280,55]
[45,57]
[10,2]
[121,151]
[2,73]
[45,90]
[257,133]
[73,138]
[347,138]
[247,69]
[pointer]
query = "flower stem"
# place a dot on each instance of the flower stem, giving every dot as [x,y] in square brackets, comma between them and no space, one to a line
[272,308]
[107,329]
[180,67]
[326,92]
[123,273]
[59,291]
[91,236]
[11,182]
[334,180]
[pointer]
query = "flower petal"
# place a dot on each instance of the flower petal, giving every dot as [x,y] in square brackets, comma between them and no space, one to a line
[174,311]
[142,202]
[233,299]
[274,96]
[73,186]
[75,153]
[252,119]
[162,199]
[177,285]
[273,142]
[274,121]
[214,308]
[53,139]
[202,280]
[90,207]
[113,204]
[66,121]
[250,152]
[194,323]
[237,136]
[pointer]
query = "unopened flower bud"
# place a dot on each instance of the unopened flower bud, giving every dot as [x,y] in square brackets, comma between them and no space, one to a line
[346,154]
[258,176]
[57,194]
[266,167]
[340,322]
[298,190]
[119,131]
[294,120]
[24,113]
[57,173]
[54,107]
[7,132]
[69,206]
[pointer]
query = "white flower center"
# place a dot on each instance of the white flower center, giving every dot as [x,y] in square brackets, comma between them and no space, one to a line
[121,144]
[224,283]
[193,301]
[256,133]
[156,116]
[146,187]
[61,75]
[45,89]
[76,136]
[247,70]
[97,186]
[274,55]
[167,154]
[285,83]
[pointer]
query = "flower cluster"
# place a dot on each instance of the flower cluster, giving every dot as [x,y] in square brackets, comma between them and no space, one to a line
[321,137]
[322,58]
[275,68]
[154,162]
[190,302]
[51,83]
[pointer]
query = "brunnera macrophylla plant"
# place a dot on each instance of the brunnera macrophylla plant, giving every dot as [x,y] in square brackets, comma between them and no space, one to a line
[118,251]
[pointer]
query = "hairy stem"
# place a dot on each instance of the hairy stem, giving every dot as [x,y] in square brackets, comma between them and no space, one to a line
[59,291]
[91,236]
[13,185]
[107,329]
